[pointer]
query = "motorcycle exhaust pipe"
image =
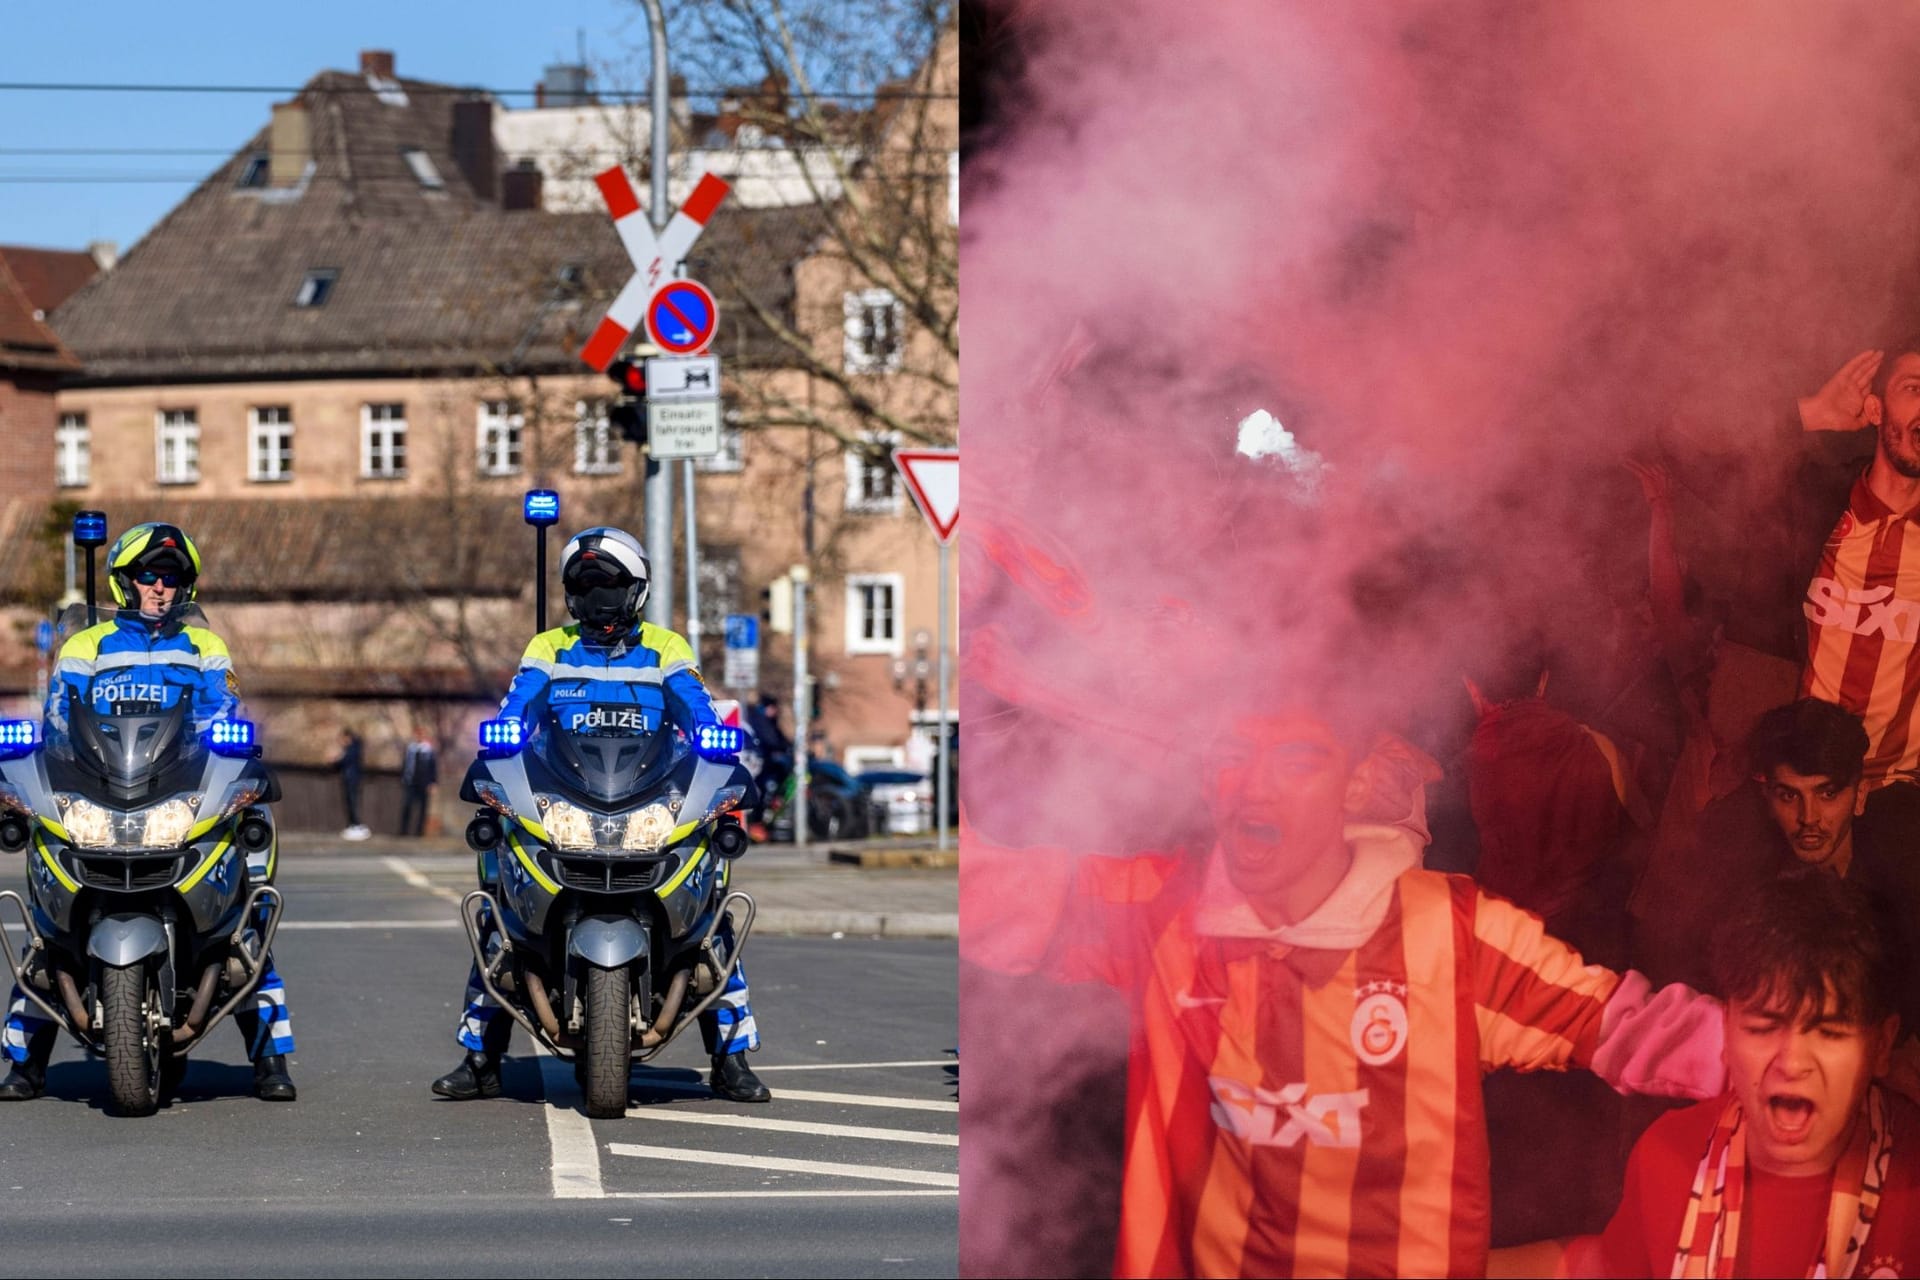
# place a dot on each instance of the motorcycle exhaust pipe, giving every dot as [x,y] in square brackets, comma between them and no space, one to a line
[13,833]
[483,833]
[730,840]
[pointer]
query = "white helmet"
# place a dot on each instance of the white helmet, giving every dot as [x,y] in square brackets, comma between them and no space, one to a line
[605,574]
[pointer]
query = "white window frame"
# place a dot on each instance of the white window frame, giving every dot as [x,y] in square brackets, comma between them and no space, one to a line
[72,451]
[425,172]
[873,756]
[499,437]
[858,469]
[596,450]
[953,188]
[858,642]
[856,304]
[269,443]
[383,441]
[176,446]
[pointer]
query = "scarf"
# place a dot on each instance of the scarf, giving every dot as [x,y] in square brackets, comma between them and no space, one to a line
[1710,1234]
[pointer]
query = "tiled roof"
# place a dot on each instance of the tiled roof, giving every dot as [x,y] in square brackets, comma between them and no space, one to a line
[427,281]
[50,276]
[26,341]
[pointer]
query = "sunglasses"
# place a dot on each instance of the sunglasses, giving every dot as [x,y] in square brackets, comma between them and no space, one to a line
[149,577]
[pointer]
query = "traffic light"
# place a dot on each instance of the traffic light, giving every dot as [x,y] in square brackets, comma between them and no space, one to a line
[776,605]
[628,415]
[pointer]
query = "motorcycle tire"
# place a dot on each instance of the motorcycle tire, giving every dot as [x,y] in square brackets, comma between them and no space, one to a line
[134,1058]
[609,1041]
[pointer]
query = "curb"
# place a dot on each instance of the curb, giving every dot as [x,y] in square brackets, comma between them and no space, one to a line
[923,859]
[885,924]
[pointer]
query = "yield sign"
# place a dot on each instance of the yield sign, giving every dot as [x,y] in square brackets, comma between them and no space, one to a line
[933,477]
[654,259]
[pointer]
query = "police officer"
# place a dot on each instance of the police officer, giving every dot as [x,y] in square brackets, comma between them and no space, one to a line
[605,574]
[149,655]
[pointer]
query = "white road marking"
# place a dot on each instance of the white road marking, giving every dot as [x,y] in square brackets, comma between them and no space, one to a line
[406,871]
[807,1095]
[369,924]
[837,1193]
[794,1126]
[756,1164]
[576,1156]
[853,1066]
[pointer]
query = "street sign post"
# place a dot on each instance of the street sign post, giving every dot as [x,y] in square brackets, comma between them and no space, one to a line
[743,652]
[933,478]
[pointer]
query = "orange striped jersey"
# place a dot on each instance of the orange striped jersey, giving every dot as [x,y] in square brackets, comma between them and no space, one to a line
[1863,618]
[1303,1112]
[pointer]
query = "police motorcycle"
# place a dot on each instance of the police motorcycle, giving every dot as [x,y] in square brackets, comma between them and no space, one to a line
[606,843]
[142,929]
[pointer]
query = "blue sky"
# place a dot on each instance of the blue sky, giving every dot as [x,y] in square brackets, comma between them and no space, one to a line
[491,43]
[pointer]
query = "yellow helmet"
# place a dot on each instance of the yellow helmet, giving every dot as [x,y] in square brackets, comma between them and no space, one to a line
[159,548]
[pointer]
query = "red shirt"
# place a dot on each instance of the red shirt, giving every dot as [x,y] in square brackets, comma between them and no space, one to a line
[1784,1218]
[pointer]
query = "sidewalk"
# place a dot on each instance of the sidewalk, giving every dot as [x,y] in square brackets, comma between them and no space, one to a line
[853,887]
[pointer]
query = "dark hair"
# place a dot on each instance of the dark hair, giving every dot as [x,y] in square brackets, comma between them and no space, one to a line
[1812,737]
[1909,345]
[1792,941]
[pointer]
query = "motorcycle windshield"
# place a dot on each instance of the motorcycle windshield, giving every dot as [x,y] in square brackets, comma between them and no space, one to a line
[133,754]
[610,751]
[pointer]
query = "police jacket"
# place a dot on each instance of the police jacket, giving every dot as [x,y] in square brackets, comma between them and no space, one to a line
[134,664]
[621,684]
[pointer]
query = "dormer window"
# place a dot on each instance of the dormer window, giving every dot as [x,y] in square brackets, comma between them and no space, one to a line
[254,172]
[315,289]
[422,165]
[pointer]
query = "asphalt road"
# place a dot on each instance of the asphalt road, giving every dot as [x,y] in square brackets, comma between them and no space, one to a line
[851,1170]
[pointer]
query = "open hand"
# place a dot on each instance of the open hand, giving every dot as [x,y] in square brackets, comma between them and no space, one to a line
[1841,404]
[1654,480]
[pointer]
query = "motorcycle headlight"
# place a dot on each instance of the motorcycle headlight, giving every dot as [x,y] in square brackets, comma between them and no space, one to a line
[90,826]
[167,824]
[649,828]
[239,796]
[568,825]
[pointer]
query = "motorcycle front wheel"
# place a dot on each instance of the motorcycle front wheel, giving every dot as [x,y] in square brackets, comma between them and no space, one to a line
[135,1055]
[609,1041]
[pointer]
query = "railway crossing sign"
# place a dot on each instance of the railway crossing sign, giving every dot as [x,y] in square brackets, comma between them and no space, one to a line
[654,259]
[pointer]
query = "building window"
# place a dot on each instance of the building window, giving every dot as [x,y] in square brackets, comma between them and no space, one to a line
[873,613]
[177,437]
[254,172]
[733,450]
[499,437]
[383,441]
[315,289]
[270,442]
[873,486]
[73,449]
[876,324]
[953,188]
[423,169]
[596,450]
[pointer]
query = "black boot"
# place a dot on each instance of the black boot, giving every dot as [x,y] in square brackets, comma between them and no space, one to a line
[28,1080]
[477,1076]
[734,1080]
[271,1083]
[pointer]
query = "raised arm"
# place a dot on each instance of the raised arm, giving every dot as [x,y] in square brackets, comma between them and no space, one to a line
[1840,405]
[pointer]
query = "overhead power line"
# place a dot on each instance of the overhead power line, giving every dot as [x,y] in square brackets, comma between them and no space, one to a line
[622,95]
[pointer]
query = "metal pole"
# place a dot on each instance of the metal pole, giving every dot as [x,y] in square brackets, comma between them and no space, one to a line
[659,484]
[802,710]
[540,578]
[940,776]
[93,611]
[693,571]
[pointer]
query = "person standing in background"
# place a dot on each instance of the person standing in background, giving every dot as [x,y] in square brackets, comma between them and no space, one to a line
[348,763]
[419,774]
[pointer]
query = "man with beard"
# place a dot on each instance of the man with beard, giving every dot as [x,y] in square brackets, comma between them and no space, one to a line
[1313,1012]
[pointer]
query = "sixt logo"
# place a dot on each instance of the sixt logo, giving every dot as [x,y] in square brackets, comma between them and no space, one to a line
[1281,1117]
[1862,611]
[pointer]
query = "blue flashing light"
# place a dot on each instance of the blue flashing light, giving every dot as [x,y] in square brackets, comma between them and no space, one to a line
[17,738]
[90,529]
[231,737]
[719,741]
[501,737]
[542,507]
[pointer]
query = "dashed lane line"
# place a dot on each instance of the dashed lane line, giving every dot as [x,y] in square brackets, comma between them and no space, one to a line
[768,1123]
[411,874]
[369,924]
[780,1164]
[576,1156]
[832,1192]
[853,1066]
[784,1094]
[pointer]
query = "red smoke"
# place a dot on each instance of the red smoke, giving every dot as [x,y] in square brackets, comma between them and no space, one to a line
[1474,255]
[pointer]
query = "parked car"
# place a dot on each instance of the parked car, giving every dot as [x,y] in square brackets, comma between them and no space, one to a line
[838,806]
[902,799]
